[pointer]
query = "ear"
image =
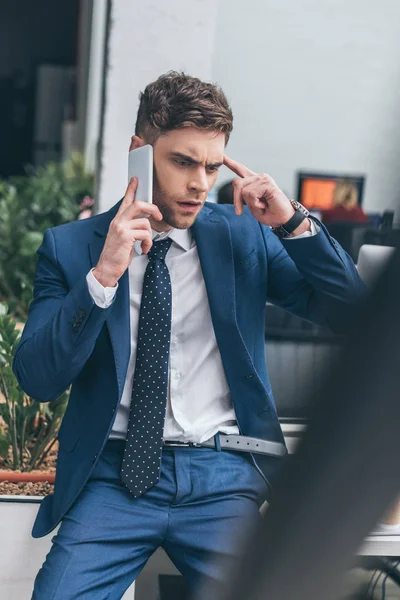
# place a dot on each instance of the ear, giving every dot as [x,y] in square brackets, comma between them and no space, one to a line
[136,142]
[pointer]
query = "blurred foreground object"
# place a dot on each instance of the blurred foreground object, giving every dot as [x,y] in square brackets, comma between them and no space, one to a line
[344,474]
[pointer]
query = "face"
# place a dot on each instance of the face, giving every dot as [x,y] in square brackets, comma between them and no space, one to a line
[186,163]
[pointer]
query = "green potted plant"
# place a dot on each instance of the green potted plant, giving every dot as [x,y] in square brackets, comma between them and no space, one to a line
[45,197]
[28,430]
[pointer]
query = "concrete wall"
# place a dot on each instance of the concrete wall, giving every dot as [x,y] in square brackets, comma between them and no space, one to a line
[21,556]
[314,85]
[147,39]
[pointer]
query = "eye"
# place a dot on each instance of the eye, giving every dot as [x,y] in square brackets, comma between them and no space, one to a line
[212,169]
[182,163]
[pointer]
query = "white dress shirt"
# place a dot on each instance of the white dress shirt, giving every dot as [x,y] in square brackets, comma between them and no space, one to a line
[199,401]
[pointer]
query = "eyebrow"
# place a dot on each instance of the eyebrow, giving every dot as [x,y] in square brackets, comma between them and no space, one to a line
[192,160]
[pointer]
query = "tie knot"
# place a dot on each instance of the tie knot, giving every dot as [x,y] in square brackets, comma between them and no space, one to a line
[159,249]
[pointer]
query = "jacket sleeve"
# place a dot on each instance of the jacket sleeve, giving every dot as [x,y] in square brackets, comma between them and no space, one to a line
[313,278]
[62,327]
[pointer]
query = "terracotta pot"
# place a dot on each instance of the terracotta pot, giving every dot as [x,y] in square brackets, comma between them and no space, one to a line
[16,476]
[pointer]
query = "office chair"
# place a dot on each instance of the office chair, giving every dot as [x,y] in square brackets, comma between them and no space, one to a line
[371,262]
[349,235]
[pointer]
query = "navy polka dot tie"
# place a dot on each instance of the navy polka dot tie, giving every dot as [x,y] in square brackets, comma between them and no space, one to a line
[142,456]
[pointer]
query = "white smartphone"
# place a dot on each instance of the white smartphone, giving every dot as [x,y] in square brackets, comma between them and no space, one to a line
[140,165]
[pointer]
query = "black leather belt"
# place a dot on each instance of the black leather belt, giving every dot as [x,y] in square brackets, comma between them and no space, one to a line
[238,443]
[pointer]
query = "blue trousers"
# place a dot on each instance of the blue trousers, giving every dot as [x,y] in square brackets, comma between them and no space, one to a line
[197,512]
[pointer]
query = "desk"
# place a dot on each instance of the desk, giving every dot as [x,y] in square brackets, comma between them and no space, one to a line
[381,545]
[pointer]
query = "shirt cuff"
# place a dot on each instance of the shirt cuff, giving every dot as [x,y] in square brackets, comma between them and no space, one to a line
[315,228]
[102,296]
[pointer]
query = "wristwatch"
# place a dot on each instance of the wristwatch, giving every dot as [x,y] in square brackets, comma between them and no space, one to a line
[301,213]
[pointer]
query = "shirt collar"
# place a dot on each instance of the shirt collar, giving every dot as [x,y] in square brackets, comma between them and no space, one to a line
[181,237]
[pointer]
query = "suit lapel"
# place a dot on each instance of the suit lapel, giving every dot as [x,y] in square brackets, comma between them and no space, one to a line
[118,318]
[213,239]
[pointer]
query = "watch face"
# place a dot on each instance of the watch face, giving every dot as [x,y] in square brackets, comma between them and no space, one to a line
[297,206]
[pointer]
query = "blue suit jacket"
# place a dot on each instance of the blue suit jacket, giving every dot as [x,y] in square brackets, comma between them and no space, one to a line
[68,339]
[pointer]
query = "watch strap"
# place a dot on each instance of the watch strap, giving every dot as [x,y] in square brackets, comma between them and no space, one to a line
[285,230]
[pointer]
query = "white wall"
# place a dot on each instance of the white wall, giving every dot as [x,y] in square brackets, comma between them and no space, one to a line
[146,40]
[21,556]
[314,84]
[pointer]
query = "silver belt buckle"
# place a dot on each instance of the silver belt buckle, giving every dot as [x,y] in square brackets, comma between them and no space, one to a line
[181,444]
[175,444]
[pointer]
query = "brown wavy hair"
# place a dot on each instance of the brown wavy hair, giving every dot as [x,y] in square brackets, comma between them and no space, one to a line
[345,194]
[176,100]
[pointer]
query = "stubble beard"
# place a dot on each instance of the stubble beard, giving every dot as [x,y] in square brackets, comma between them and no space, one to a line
[166,205]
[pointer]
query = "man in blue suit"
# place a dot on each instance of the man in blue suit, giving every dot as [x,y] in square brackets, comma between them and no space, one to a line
[155,314]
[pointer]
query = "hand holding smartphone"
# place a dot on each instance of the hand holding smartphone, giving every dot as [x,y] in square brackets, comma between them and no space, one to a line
[131,223]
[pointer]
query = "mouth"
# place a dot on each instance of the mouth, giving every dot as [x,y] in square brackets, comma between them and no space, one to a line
[190,205]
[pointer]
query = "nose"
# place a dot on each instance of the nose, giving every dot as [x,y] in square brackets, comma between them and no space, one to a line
[198,182]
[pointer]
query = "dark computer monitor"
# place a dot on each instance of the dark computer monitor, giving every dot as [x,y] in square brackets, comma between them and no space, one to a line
[315,190]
